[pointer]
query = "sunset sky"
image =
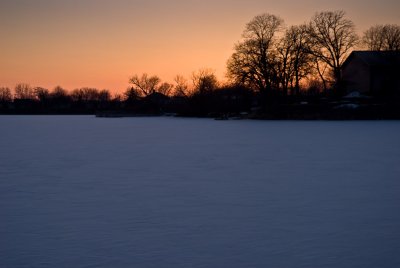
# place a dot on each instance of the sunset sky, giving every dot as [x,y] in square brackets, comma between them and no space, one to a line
[100,43]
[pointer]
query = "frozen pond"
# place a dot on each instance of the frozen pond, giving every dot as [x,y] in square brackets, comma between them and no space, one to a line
[80,191]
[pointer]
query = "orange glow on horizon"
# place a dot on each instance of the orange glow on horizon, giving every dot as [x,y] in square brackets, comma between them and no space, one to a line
[100,43]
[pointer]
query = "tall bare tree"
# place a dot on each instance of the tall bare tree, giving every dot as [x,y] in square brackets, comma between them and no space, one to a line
[24,91]
[382,37]
[293,58]
[373,38]
[145,84]
[333,37]
[252,62]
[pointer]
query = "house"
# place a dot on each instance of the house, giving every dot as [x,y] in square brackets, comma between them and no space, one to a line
[372,72]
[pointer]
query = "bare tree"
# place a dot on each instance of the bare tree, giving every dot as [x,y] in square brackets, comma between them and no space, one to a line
[104,95]
[333,37]
[373,38]
[382,37]
[132,94]
[181,86]
[145,84]
[293,58]
[90,94]
[314,86]
[252,63]
[392,34]
[42,94]
[77,95]
[85,94]
[24,91]
[322,70]
[59,93]
[165,89]
[204,81]
[5,94]
[117,97]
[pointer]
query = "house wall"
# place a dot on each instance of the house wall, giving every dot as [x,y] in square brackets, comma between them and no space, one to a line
[356,76]
[385,80]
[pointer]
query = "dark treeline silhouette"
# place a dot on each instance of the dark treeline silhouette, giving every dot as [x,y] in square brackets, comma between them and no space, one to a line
[39,100]
[274,72]
[203,97]
[271,58]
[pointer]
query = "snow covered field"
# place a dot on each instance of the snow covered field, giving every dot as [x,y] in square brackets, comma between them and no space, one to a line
[80,191]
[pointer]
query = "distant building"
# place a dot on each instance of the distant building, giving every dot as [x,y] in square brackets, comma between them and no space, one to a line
[373,72]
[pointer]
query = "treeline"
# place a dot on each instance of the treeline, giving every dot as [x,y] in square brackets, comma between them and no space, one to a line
[201,96]
[272,57]
[38,100]
[274,72]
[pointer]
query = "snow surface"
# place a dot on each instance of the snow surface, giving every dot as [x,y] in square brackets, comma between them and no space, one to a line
[80,191]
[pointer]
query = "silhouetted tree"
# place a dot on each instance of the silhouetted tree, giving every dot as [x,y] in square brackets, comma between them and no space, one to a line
[85,94]
[24,92]
[165,89]
[204,81]
[59,93]
[293,58]
[5,94]
[78,95]
[181,86]
[60,99]
[104,95]
[314,87]
[382,37]
[132,94]
[90,94]
[117,98]
[332,37]
[145,84]
[252,63]
[42,94]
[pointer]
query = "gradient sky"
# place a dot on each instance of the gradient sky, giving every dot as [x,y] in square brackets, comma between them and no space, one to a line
[100,43]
